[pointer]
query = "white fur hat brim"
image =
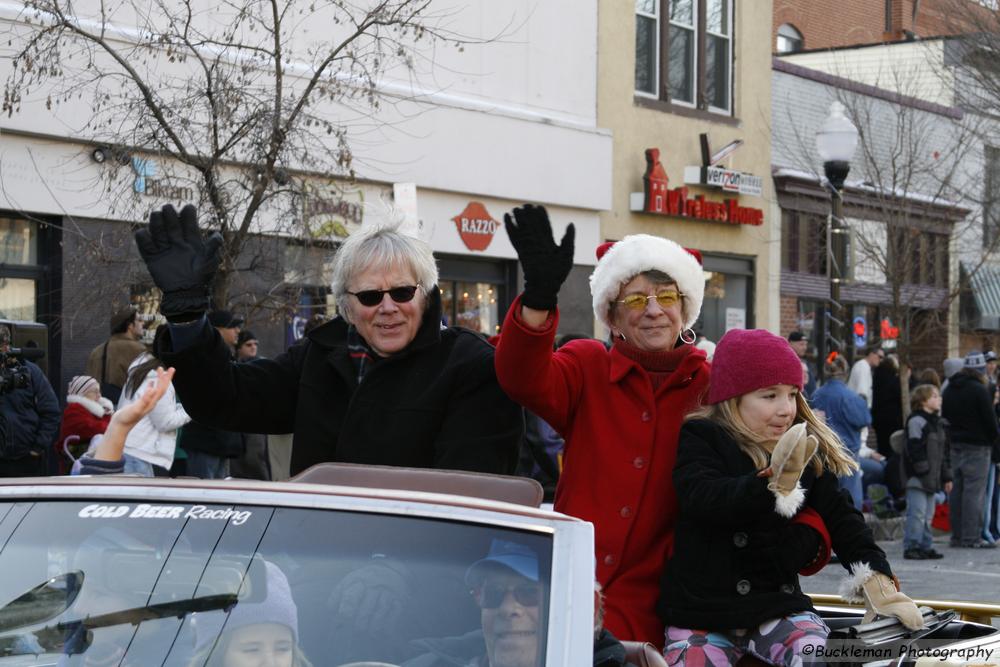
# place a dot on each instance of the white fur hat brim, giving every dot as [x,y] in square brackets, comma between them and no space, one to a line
[642,252]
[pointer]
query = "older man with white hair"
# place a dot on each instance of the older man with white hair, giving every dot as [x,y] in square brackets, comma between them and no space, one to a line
[384,383]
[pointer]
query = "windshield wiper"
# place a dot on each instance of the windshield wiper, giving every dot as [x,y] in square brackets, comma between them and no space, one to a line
[152,612]
[76,636]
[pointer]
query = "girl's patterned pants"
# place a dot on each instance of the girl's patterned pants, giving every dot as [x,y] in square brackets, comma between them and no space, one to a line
[780,642]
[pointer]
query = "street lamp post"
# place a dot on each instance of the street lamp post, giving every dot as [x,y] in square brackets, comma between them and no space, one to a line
[836,142]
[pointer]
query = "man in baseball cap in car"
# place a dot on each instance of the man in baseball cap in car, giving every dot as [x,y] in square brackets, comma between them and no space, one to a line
[507,587]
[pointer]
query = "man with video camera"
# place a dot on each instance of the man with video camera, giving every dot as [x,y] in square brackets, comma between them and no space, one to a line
[29,413]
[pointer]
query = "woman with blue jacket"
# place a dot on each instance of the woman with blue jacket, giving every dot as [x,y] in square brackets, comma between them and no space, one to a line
[846,413]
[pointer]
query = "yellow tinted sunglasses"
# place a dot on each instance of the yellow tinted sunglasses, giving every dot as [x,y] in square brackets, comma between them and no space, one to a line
[665,299]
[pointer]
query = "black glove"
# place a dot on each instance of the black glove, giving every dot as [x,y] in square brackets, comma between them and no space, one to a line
[544,263]
[181,264]
[371,599]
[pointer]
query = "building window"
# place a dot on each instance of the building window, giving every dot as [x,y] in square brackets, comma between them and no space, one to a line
[869,239]
[18,243]
[19,271]
[17,299]
[803,242]
[684,52]
[918,258]
[681,60]
[991,198]
[647,60]
[789,39]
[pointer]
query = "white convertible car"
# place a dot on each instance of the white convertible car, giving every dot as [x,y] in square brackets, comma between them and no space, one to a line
[365,566]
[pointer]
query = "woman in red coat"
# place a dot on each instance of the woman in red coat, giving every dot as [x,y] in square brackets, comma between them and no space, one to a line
[620,411]
[87,414]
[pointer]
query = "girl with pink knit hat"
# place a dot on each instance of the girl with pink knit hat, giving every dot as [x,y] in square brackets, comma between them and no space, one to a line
[748,462]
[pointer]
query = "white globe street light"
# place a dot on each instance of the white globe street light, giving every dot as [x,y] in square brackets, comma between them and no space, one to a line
[836,142]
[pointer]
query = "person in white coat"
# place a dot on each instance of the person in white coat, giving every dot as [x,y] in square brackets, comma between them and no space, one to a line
[153,440]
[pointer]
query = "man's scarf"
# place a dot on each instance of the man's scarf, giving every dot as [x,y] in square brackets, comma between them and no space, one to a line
[361,354]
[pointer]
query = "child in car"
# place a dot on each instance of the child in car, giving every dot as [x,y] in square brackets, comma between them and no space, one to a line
[746,464]
[253,633]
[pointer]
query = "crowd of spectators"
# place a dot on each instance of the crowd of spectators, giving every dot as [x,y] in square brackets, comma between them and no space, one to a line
[943,449]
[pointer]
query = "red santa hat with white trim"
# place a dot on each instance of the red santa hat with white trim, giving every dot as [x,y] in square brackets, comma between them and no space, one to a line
[620,261]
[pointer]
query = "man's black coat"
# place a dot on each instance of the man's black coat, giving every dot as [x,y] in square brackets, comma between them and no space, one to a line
[436,404]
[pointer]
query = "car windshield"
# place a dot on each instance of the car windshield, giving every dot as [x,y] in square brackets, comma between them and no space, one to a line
[118,583]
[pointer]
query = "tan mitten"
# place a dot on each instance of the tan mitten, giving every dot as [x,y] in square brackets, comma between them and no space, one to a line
[882,599]
[790,456]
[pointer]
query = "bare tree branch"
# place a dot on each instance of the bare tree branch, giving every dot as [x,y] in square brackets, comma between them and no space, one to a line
[235,94]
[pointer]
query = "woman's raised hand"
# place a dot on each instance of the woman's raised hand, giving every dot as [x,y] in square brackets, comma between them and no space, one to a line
[544,263]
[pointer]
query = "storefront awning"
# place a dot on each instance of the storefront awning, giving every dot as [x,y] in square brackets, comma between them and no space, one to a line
[985,286]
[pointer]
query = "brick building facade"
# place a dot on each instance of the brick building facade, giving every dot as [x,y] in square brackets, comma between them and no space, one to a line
[825,25]
[898,289]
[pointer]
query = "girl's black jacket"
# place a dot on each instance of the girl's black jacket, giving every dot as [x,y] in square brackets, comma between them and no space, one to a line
[735,561]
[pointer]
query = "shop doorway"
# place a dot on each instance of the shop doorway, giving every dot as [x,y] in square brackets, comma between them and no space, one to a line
[475,294]
[728,300]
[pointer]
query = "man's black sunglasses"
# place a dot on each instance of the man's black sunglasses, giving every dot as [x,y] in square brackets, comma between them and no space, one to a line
[491,596]
[373,297]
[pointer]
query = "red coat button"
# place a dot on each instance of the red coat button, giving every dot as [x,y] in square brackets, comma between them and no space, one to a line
[646,416]
[639,462]
[609,560]
[626,512]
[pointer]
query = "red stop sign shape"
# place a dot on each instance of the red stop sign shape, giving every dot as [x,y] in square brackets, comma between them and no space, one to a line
[476,226]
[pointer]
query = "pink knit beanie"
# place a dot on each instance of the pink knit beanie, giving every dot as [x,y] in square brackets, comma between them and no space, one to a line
[749,359]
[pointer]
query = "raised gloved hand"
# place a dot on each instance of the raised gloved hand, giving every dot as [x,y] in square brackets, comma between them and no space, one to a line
[181,263]
[788,460]
[882,598]
[371,599]
[544,263]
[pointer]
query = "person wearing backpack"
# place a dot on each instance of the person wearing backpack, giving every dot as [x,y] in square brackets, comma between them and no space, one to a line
[109,361]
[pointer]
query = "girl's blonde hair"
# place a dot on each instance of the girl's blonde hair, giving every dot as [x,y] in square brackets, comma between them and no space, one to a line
[832,455]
